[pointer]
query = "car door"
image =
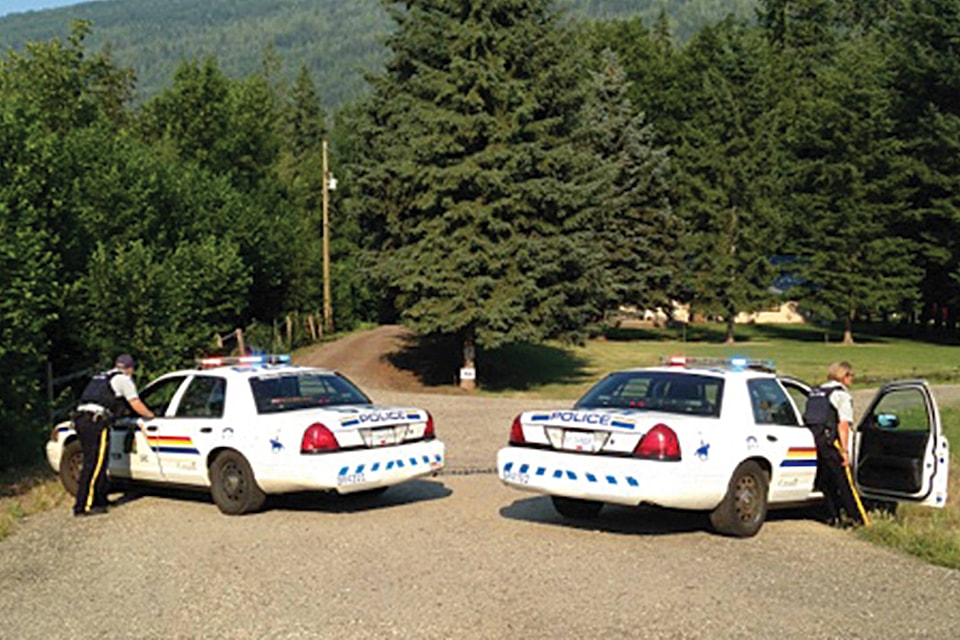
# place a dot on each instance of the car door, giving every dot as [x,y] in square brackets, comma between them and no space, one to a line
[900,451]
[790,445]
[184,436]
[131,454]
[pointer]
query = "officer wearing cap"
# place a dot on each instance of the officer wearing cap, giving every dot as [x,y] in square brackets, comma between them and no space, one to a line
[107,395]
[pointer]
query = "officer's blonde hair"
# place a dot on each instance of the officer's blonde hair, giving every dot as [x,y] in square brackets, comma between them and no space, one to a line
[839,370]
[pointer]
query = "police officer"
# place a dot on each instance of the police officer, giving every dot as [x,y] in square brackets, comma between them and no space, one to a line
[106,396]
[829,414]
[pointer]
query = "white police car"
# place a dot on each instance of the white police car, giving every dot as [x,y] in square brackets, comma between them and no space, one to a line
[723,437]
[247,427]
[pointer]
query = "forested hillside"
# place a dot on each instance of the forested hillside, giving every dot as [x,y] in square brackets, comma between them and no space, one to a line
[337,40]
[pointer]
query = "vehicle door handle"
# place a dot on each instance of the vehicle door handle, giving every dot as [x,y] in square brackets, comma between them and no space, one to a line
[206,430]
[151,428]
[771,438]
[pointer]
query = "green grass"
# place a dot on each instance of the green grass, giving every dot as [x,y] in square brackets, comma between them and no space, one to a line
[560,371]
[932,535]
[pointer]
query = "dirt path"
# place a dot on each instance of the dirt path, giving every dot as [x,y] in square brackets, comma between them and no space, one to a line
[363,357]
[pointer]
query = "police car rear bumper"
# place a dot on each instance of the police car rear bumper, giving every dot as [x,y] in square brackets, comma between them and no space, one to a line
[355,470]
[610,479]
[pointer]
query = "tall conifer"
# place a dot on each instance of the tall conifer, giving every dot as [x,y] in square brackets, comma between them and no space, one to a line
[474,179]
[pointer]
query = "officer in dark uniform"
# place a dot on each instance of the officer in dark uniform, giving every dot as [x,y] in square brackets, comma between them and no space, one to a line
[829,415]
[106,396]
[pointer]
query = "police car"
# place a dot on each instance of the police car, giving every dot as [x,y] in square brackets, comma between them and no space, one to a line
[247,427]
[725,437]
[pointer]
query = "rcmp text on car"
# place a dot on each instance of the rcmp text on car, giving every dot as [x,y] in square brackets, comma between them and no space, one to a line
[722,437]
[251,426]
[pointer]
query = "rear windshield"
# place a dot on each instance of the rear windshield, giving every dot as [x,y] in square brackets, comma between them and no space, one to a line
[289,391]
[657,391]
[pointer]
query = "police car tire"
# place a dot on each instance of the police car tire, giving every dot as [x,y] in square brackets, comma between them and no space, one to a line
[744,507]
[576,508]
[71,460]
[233,486]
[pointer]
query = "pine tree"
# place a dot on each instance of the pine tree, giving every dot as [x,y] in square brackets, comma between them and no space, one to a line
[726,189]
[926,62]
[472,175]
[844,199]
[635,224]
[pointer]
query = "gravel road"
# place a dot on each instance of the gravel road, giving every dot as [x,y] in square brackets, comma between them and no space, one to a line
[456,556]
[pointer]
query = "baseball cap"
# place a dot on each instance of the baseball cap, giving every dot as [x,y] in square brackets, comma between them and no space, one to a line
[126,361]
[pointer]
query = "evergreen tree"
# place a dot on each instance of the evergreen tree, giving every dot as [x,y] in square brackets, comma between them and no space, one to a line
[926,63]
[473,174]
[726,189]
[845,190]
[657,86]
[301,172]
[634,221]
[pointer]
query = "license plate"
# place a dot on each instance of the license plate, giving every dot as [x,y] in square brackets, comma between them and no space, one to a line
[383,437]
[578,440]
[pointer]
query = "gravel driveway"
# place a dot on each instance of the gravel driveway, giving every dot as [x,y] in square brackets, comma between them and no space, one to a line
[459,555]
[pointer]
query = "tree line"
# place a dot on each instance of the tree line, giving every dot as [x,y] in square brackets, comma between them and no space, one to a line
[511,175]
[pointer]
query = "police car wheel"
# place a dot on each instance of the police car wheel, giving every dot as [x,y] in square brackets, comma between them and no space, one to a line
[575,508]
[744,508]
[233,486]
[71,461]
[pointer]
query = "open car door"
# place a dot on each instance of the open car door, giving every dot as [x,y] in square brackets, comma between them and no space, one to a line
[901,453]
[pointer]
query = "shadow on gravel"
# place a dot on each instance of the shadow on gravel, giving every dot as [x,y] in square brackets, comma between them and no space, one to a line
[407,493]
[645,520]
[612,519]
[398,495]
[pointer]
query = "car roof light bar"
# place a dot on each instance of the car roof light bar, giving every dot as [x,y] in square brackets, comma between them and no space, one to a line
[223,361]
[735,363]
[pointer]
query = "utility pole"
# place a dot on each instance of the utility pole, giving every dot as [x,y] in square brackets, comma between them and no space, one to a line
[327,303]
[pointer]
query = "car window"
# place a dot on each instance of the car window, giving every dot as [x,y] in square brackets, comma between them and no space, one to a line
[771,404]
[665,391]
[203,398]
[287,391]
[901,410]
[157,395]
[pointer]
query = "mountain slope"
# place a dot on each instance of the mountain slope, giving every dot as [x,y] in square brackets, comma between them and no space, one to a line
[338,40]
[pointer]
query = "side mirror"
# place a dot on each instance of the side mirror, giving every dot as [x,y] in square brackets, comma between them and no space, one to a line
[888,420]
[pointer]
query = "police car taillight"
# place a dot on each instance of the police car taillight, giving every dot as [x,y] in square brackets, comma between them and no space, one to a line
[660,443]
[428,431]
[318,439]
[516,432]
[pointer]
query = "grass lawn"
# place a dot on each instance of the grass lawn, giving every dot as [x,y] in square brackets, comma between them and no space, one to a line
[930,534]
[560,371]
